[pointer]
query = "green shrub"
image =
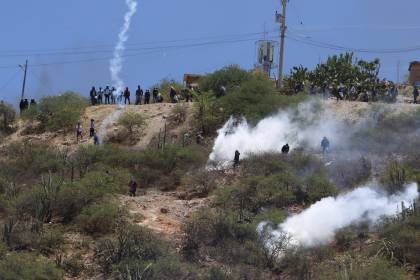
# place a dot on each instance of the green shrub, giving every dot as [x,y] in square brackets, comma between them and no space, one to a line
[216,274]
[133,244]
[28,159]
[73,266]
[403,238]
[132,121]
[60,112]
[319,187]
[394,177]
[165,85]
[229,77]
[25,266]
[378,270]
[7,117]
[100,218]
[256,99]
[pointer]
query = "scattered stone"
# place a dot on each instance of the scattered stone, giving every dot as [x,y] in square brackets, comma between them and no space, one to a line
[164,210]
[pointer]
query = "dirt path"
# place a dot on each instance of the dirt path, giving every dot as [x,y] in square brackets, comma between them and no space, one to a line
[162,212]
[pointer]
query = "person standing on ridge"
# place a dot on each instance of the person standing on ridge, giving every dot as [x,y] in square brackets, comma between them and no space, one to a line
[172,95]
[93,96]
[107,94]
[155,94]
[147,97]
[22,106]
[127,96]
[113,97]
[100,95]
[139,95]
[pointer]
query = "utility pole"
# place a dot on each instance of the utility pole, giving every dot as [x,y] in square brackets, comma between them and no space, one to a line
[25,69]
[283,29]
[398,72]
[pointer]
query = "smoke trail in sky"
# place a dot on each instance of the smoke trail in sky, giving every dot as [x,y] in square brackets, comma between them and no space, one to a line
[318,224]
[116,62]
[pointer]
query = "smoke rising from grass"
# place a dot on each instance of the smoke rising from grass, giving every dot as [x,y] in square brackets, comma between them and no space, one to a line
[318,224]
[116,62]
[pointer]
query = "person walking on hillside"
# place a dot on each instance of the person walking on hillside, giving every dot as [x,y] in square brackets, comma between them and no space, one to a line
[415,94]
[236,159]
[159,98]
[92,128]
[132,187]
[33,102]
[95,139]
[325,144]
[79,132]
[285,149]
[93,96]
[155,94]
[139,95]
[147,97]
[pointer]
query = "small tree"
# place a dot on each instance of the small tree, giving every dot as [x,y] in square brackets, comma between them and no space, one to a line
[132,121]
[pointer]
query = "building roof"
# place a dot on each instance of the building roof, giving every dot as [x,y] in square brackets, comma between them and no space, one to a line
[413,63]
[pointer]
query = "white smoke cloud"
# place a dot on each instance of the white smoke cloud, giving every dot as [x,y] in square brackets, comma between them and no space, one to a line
[318,224]
[116,62]
[305,126]
[108,121]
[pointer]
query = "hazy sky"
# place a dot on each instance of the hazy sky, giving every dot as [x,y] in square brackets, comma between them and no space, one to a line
[69,43]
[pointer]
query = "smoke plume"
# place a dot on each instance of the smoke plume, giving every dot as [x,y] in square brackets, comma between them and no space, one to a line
[305,126]
[116,62]
[318,224]
[108,121]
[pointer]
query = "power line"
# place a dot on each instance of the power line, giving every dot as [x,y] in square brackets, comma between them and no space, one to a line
[142,51]
[8,81]
[330,46]
[105,49]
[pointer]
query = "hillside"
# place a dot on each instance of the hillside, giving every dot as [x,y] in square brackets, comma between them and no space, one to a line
[305,214]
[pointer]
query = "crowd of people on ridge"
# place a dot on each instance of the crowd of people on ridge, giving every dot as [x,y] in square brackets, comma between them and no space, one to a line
[24,104]
[354,92]
[109,95]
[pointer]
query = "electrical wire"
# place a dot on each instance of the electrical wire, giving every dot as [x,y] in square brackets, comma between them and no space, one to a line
[12,77]
[145,51]
[330,46]
[109,48]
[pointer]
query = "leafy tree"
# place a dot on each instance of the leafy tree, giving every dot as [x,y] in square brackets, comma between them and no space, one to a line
[230,77]
[58,112]
[165,85]
[131,121]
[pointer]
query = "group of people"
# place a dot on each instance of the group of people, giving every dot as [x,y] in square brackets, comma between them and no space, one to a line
[389,93]
[92,132]
[108,95]
[325,145]
[24,104]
